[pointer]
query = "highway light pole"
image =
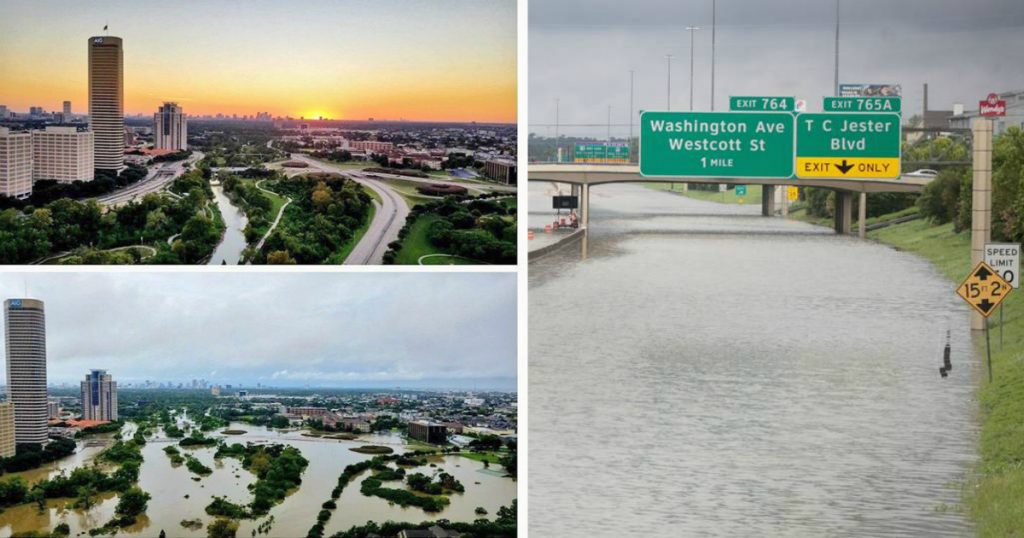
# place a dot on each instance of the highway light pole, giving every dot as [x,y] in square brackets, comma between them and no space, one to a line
[692,30]
[609,123]
[631,110]
[714,4]
[668,93]
[835,80]
[558,147]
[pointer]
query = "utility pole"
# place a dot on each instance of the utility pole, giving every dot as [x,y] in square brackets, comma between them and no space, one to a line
[668,94]
[609,123]
[836,76]
[558,143]
[714,4]
[631,110]
[692,30]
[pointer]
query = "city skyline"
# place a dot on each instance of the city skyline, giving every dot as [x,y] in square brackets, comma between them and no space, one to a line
[280,330]
[333,65]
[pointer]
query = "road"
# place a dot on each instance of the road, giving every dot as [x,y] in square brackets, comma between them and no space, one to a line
[159,176]
[387,221]
[472,186]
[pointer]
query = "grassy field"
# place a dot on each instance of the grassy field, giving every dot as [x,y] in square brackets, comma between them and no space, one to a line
[416,244]
[753,195]
[994,497]
[407,190]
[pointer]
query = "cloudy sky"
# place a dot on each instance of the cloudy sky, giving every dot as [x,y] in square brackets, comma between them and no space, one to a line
[581,51]
[416,330]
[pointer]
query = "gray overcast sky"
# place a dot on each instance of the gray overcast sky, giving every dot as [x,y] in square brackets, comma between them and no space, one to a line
[422,330]
[581,51]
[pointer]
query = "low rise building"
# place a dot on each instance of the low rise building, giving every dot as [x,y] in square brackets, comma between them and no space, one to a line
[63,154]
[503,170]
[429,432]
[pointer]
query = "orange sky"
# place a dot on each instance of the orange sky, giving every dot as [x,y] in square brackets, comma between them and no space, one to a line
[451,60]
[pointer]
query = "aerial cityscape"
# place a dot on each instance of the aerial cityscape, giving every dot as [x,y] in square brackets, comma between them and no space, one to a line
[226,171]
[425,422]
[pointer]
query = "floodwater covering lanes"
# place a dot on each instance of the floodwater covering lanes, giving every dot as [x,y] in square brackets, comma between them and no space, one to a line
[177,497]
[229,250]
[714,372]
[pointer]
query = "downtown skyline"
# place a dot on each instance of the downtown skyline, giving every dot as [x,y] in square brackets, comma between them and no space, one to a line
[337,63]
[280,330]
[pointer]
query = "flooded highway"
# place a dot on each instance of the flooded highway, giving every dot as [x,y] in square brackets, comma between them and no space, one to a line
[707,371]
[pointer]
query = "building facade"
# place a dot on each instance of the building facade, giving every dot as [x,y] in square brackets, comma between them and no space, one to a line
[502,170]
[67,108]
[64,154]
[15,164]
[7,442]
[99,396]
[372,146]
[170,128]
[106,101]
[25,333]
[428,432]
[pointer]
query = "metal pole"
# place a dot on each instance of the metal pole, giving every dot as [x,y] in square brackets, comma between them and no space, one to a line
[631,112]
[691,29]
[558,143]
[668,92]
[836,75]
[988,350]
[609,123]
[713,12]
[1000,327]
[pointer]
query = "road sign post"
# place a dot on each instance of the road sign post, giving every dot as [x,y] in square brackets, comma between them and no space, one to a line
[848,145]
[984,289]
[716,144]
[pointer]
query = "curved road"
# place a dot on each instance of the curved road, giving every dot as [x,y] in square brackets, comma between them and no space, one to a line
[157,178]
[387,221]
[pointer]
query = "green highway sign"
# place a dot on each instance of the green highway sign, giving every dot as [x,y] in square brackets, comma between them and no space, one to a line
[610,153]
[862,104]
[855,145]
[716,144]
[741,190]
[752,104]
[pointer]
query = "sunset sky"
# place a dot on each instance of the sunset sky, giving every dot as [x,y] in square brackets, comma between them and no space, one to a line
[415,60]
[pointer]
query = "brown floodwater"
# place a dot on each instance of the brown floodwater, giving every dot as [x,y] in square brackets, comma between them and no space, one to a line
[177,497]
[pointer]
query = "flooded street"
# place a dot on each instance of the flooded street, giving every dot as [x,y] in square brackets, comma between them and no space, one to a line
[708,371]
[229,251]
[177,497]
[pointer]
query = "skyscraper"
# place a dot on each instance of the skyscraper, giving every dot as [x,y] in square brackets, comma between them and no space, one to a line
[67,108]
[7,443]
[170,128]
[99,396]
[15,164]
[106,101]
[25,331]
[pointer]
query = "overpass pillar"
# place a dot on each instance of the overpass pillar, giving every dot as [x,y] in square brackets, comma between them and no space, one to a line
[981,199]
[862,215]
[767,200]
[843,212]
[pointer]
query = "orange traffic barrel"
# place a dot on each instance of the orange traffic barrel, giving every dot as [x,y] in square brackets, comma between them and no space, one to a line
[547,228]
[529,235]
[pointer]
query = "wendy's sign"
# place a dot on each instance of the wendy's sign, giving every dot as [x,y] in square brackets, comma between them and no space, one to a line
[993,106]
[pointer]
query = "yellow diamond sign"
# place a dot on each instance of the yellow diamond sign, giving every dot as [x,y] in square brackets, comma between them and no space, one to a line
[984,289]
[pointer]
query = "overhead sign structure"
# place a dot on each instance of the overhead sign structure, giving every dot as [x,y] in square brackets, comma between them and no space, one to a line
[863,104]
[848,145]
[565,202]
[716,144]
[992,106]
[748,104]
[984,289]
[610,153]
[1004,259]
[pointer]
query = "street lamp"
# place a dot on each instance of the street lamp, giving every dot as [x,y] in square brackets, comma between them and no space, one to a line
[668,93]
[691,29]
[714,5]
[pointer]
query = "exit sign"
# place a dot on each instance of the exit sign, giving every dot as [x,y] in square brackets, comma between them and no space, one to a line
[761,104]
[862,104]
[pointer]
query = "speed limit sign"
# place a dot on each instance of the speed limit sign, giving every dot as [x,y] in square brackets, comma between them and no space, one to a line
[1004,258]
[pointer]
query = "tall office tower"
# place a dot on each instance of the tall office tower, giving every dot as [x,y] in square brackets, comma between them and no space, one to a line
[7,442]
[99,396]
[67,108]
[170,128]
[25,330]
[3,112]
[15,164]
[63,153]
[106,101]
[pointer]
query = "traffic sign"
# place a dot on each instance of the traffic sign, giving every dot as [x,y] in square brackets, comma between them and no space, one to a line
[716,144]
[741,190]
[776,104]
[792,194]
[856,145]
[984,289]
[609,153]
[862,104]
[1004,259]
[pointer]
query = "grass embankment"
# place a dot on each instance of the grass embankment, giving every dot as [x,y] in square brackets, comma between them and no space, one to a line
[728,197]
[995,496]
[357,236]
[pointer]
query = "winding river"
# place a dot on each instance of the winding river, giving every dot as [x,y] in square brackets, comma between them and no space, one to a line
[229,251]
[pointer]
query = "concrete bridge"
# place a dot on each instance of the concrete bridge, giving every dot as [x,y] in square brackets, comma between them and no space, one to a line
[586,175]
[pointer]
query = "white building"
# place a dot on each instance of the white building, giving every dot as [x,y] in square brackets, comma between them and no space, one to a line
[63,153]
[15,164]
[170,128]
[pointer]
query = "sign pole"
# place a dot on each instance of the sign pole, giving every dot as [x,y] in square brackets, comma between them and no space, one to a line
[988,350]
[1000,327]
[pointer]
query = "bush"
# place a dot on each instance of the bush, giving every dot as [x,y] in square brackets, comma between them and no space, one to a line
[940,201]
